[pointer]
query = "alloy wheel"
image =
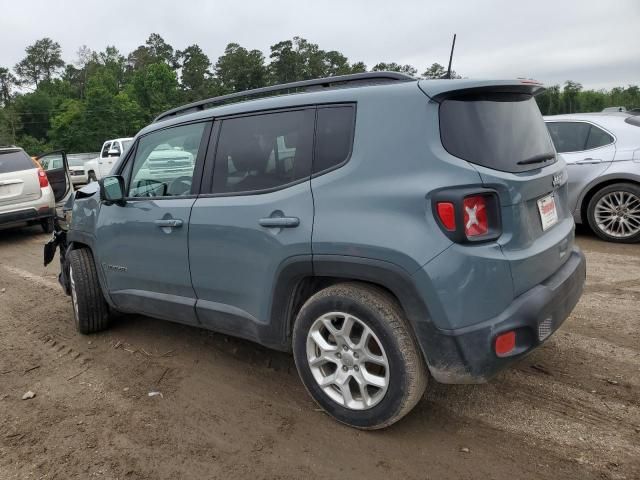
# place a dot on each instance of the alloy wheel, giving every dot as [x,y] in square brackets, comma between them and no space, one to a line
[347,360]
[618,214]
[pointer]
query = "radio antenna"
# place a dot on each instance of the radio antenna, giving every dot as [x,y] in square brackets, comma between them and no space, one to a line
[453,45]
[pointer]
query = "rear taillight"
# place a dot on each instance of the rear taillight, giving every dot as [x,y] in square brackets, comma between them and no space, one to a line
[468,215]
[475,218]
[42,177]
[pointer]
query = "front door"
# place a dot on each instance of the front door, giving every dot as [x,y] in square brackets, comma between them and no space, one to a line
[142,245]
[588,151]
[255,224]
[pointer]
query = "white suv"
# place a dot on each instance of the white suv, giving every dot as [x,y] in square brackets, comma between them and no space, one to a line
[31,189]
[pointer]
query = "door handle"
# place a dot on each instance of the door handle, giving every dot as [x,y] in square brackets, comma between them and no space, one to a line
[169,222]
[588,161]
[279,222]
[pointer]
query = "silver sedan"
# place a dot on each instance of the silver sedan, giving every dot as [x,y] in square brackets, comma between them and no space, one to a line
[602,151]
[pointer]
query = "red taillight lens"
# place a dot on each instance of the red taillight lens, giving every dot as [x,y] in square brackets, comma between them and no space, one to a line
[44,181]
[476,222]
[447,215]
[505,343]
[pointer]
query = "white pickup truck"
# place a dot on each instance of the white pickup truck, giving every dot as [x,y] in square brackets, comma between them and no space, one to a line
[109,155]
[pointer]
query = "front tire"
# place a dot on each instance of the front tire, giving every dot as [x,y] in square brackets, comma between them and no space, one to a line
[613,213]
[92,177]
[357,357]
[90,311]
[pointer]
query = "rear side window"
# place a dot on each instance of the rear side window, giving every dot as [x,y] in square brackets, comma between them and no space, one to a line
[334,137]
[502,131]
[263,152]
[597,138]
[15,161]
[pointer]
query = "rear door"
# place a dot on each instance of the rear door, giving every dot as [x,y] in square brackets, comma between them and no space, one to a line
[504,136]
[18,178]
[587,149]
[142,245]
[255,221]
[56,167]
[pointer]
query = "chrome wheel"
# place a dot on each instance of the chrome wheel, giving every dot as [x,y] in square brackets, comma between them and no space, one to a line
[347,361]
[618,214]
[74,296]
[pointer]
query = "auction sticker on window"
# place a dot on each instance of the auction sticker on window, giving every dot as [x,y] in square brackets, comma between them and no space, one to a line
[548,212]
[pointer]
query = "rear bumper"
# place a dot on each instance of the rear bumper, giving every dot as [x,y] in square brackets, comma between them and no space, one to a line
[466,355]
[25,215]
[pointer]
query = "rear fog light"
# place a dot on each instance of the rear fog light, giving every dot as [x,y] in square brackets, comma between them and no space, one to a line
[505,343]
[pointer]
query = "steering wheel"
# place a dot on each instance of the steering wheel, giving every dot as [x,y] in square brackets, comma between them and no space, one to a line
[179,186]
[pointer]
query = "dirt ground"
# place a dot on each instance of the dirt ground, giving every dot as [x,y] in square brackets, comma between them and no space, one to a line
[231,409]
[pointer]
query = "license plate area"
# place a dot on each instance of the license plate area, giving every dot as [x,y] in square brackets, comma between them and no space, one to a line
[548,212]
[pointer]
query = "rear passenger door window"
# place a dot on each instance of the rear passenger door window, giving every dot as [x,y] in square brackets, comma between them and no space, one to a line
[577,136]
[263,152]
[334,136]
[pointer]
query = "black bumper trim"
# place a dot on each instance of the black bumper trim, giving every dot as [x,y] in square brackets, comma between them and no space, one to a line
[22,216]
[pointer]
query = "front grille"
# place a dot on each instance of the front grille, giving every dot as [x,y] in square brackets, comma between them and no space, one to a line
[544,328]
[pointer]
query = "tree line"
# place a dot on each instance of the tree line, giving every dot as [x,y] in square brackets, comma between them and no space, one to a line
[47,104]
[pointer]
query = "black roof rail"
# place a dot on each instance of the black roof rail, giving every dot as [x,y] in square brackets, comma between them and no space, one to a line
[364,78]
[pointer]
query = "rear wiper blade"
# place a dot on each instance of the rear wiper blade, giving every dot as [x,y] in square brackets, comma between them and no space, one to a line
[543,157]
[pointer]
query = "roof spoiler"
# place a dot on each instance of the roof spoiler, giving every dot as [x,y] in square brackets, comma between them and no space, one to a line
[319,83]
[439,90]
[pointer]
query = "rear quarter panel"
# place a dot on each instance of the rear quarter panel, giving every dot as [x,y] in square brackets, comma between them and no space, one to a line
[376,206]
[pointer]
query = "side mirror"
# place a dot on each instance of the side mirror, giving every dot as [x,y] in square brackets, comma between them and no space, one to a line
[112,190]
[113,153]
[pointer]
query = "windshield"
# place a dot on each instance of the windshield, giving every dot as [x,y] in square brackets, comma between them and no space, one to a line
[502,131]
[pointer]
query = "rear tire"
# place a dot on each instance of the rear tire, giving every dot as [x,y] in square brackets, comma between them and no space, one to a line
[370,367]
[613,213]
[90,310]
[47,225]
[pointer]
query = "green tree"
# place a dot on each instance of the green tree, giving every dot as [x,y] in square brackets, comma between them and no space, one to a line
[34,111]
[196,76]
[155,50]
[571,96]
[296,59]
[7,82]
[394,67]
[43,61]
[436,71]
[239,69]
[155,88]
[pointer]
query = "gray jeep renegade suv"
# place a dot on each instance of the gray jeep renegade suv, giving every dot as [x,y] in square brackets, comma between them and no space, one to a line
[386,230]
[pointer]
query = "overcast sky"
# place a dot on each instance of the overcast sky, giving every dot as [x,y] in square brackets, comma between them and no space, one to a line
[595,42]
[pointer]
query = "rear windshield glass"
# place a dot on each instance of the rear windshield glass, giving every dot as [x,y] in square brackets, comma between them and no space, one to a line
[14,161]
[502,131]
